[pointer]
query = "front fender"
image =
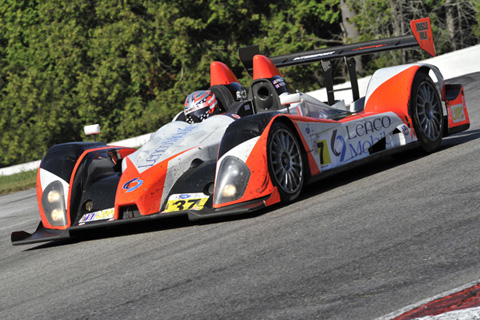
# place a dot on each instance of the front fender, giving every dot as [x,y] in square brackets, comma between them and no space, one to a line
[390,88]
[245,150]
[67,172]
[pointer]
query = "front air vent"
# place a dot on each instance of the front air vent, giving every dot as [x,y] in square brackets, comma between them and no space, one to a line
[129,212]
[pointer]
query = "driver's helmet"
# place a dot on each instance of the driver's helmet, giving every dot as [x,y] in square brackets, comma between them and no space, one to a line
[199,105]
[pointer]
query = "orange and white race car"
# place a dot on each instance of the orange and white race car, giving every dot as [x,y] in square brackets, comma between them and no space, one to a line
[269,142]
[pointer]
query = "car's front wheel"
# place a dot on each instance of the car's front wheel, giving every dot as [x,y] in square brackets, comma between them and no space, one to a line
[285,162]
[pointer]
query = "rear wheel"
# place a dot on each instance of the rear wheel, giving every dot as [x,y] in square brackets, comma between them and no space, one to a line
[426,112]
[285,162]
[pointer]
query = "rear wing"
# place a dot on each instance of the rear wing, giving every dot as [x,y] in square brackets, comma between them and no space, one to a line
[422,36]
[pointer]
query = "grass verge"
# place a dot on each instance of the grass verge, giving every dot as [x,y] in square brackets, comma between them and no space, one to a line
[17,182]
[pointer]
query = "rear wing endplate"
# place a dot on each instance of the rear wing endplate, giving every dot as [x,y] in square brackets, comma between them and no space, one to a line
[422,36]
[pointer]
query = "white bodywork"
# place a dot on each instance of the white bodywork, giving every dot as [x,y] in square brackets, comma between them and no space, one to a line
[46,178]
[179,143]
[336,144]
[177,137]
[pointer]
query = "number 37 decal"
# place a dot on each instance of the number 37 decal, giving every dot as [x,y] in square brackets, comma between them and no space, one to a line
[181,202]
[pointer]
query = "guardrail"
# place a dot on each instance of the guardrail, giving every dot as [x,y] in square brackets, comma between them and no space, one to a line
[131,143]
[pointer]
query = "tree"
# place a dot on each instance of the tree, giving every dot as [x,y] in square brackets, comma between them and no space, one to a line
[350,32]
[454,24]
[129,65]
[460,20]
[299,25]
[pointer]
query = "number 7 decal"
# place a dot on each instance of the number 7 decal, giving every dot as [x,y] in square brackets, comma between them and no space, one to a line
[323,152]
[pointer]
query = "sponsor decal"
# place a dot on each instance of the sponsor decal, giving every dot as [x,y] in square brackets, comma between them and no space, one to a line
[363,146]
[353,140]
[106,214]
[198,106]
[458,113]
[370,47]
[164,145]
[313,56]
[370,126]
[342,148]
[277,83]
[323,152]
[338,145]
[182,202]
[422,29]
[133,184]
[360,137]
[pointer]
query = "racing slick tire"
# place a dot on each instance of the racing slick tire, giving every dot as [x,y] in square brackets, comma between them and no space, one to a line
[285,162]
[426,112]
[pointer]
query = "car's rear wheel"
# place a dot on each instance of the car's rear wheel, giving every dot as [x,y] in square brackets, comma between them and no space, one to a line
[285,162]
[426,112]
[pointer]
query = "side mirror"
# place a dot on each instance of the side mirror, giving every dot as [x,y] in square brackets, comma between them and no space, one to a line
[93,129]
[290,98]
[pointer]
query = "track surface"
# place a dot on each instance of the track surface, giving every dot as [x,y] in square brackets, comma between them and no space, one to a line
[357,246]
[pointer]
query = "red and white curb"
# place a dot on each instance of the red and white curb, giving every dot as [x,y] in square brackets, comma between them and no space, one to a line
[465,314]
[459,304]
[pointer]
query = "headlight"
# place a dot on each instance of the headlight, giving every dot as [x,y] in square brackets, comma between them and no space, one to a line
[53,196]
[232,180]
[57,215]
[53,204]
[229,191]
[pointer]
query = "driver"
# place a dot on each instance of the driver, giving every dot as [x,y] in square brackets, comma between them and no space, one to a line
[199,105]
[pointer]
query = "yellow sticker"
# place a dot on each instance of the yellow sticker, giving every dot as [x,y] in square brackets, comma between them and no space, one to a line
[458,113]
[181,202]
[323,152]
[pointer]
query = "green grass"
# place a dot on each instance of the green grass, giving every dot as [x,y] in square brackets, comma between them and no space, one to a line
[17,182]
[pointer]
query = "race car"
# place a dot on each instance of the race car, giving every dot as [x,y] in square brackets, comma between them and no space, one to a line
[267,143]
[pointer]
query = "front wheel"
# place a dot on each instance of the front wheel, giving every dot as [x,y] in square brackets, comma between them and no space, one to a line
[426,112]
[285,162]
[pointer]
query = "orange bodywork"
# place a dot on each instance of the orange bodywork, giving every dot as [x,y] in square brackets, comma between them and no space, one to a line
[143,190]
[393,95]
[457,110]
[260,184]
[220,74]
[263,67]
[422,31]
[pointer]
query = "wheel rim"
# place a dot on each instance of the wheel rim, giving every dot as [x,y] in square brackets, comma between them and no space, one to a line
[286,161]
[429,111]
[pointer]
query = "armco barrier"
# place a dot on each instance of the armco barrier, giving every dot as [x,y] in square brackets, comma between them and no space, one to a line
[131,143]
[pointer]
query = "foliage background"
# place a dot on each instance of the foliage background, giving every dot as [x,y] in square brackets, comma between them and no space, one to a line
[129,64]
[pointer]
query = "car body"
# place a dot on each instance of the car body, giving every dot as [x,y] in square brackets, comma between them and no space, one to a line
[267,145]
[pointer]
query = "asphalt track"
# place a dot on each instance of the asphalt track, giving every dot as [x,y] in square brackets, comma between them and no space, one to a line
[357,246]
